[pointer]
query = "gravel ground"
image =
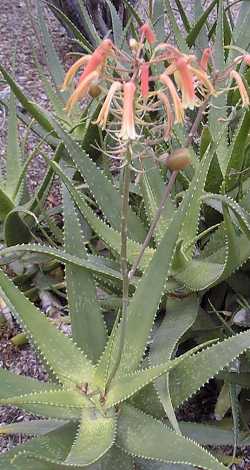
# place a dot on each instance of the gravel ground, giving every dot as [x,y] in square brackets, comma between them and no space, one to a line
[16,32]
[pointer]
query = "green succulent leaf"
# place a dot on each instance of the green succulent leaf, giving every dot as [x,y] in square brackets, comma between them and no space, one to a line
[240,36]
[6,205]
[11,382]
[210,434]
[195,31]
[55,398]
[144,303]
[36,111]
[36,427]
[218,111]
[180,41]
[181,10]
[93,439]
[15,229]
[46,451]
[236,152]
[127,385]
[158,20]
[196,188]
[111,237]
[88,328]
[117,26]
[13,155]
[145,437]
[106,195]
[54,65]
[181,314]
[193,372]
[58,351]
[93,263]
[152,185]
[88,24]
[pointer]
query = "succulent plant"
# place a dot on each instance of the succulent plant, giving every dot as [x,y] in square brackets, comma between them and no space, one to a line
[112,394]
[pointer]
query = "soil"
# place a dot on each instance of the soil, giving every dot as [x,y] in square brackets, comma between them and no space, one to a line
[16,33]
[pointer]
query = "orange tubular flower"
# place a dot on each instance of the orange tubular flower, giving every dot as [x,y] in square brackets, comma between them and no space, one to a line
[98,58]
[144,76]
[148,33]
[82,90]
[170,116]
[178,106]
[242,89]
[128,122]
[205,58]
[185,82]
[73,70]
[103,115]
[93,62]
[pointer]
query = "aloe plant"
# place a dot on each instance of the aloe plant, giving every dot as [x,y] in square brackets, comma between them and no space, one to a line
[179,239]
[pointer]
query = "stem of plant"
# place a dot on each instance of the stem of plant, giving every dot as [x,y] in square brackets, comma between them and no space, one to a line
[152,228]
[124,264]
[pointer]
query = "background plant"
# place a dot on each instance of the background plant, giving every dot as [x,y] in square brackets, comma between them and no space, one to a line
[219,212]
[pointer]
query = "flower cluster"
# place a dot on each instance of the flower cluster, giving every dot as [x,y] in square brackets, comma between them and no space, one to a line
[152,78]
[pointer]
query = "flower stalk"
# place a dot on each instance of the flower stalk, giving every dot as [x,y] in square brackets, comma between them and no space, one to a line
[124,262]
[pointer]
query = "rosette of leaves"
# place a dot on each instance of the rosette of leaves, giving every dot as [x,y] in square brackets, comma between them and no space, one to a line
[100,408]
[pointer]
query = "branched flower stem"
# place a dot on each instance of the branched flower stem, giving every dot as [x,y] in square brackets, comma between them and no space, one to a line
[152,228]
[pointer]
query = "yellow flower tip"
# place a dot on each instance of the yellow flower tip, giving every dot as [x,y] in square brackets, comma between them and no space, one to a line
[103,115]
[81,90]
[242,89]
[170,115]
[178,106]
[128,122]
[73,70]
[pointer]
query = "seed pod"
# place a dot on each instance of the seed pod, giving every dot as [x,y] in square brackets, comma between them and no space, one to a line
[178,160]
[94,91]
